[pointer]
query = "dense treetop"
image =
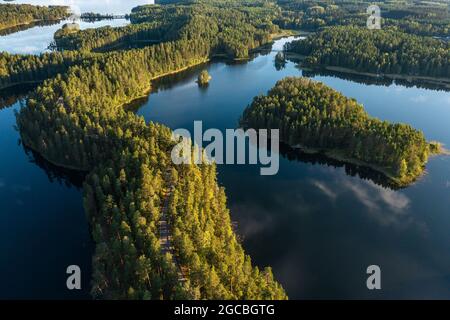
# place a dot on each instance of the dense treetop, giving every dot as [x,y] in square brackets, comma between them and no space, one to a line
[232,31]
[12,15]
[416,17]
[378,51]
[311,115]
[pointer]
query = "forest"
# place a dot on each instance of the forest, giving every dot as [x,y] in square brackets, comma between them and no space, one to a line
[387,51]
[18,69]
[12,15]
[415,17]
[76,119]
[233,32]
[315,117]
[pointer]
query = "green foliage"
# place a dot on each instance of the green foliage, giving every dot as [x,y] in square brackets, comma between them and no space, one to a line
[203,78]
[12,15]
[426,18]
[376,51]
[233,31]
[312,115]
[16,69]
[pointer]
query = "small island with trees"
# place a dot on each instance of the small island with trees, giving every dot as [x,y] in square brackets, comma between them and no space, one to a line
[316,118]
[203,78]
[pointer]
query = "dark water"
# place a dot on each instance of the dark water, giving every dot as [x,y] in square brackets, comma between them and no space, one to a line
[43,228]
[317,222]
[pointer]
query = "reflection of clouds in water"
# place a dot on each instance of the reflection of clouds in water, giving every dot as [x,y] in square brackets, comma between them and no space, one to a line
[384,205]
[29,50]
[325,189]
[21,188]
[20,203]
[419,99]
[258,219]
[36,40]
[395,88]
[447,100]
[374,196]
[98,6]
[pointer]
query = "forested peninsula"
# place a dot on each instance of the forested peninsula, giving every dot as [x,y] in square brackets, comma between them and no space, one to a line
[386,51]
[76,119]
[13,15]
[314,117]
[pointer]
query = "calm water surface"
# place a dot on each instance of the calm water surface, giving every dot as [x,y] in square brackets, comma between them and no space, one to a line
[97,6]
[317,223]
[37,39]
[43,228]
[318,226]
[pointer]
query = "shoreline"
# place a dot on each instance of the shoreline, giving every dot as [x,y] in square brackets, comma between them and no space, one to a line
[336,154]
[393,76]
[145,94]
[444,82]
[123,105]
[15,84]
[23,24]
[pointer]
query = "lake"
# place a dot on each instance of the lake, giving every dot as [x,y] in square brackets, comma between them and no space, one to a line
[37,39]
[43,228]
[318,223]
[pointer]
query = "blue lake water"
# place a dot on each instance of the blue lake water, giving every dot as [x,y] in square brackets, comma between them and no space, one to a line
[36,40]
[317,222]
[43,228]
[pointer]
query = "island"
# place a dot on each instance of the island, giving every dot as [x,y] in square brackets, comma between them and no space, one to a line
[316,118]
[203,78]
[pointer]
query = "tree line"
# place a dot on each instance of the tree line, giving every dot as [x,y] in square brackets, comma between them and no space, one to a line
[233,31]
[386,51]
[12,15]
[312,115]
[425,19]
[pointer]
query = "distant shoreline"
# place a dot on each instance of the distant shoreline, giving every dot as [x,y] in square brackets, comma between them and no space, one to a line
[338,155]
[23,24]
[444,82]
